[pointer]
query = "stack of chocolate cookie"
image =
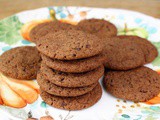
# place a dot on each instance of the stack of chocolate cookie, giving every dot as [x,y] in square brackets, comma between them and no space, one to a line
[71,67]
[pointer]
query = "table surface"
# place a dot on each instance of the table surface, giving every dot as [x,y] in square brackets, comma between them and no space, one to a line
[149,7]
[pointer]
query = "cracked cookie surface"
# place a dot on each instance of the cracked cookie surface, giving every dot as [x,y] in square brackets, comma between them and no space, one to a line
[101,28]
[149,50]
[48,27]
[122,54]
[138,85]
[21,62]
[70,45]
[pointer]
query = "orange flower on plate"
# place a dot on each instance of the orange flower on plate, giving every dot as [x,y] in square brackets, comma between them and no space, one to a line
[155,100]
[17,93]
[26,28]
[69,21]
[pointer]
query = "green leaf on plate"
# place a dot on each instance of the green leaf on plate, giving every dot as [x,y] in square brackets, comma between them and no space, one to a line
[156,62]
[43,104]
[150,117]
[125,116]
[10,30]
[157,44]
[141,32]
[17,113]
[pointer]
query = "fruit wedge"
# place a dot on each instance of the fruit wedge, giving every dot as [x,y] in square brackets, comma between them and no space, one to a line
[9,97]
[1,102]
[155,100]
[26,28]
[25,92]
[69,21]
[29,83]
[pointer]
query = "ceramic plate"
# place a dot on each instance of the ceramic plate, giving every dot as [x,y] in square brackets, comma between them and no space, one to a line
[14,32]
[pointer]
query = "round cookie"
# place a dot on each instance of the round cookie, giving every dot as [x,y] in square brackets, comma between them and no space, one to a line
[74,66]
[20,63]
[99,27]
[149,50]
[73,103]
[51,88]
[138,85]
[122,54]
[48,27]
[72,80]
[70,45]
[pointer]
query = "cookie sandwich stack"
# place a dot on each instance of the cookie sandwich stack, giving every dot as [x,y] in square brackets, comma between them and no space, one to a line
[71,67]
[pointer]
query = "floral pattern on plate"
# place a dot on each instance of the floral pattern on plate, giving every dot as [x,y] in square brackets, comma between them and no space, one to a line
[14,31]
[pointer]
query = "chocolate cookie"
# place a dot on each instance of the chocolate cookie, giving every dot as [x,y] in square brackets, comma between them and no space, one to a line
[72,80]
[101,28]
[48,27]
[149,50]
[73,103]
[75,66]
[20,63]
[122,54]
[70,45]
[140,84]
[51,88]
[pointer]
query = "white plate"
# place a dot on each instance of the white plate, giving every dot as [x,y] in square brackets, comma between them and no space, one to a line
[108,107]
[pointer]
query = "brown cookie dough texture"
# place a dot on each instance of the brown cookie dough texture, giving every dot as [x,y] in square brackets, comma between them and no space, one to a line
[122,54]
[72,80]
[48,27]
[99,27]
[138,85]
[149,50]
[70,45]
[73,103]
[51,88]
[20,63]
[75,66]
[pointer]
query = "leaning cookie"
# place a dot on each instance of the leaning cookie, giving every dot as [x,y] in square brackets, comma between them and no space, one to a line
[73,103]
[20,63]
[99,27]
[138,85]
[122,54]
[149,50]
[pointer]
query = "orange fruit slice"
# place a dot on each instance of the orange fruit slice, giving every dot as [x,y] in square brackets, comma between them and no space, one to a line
[155,100]
[26,28]
[25,92]
[29,83]
[9,97]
